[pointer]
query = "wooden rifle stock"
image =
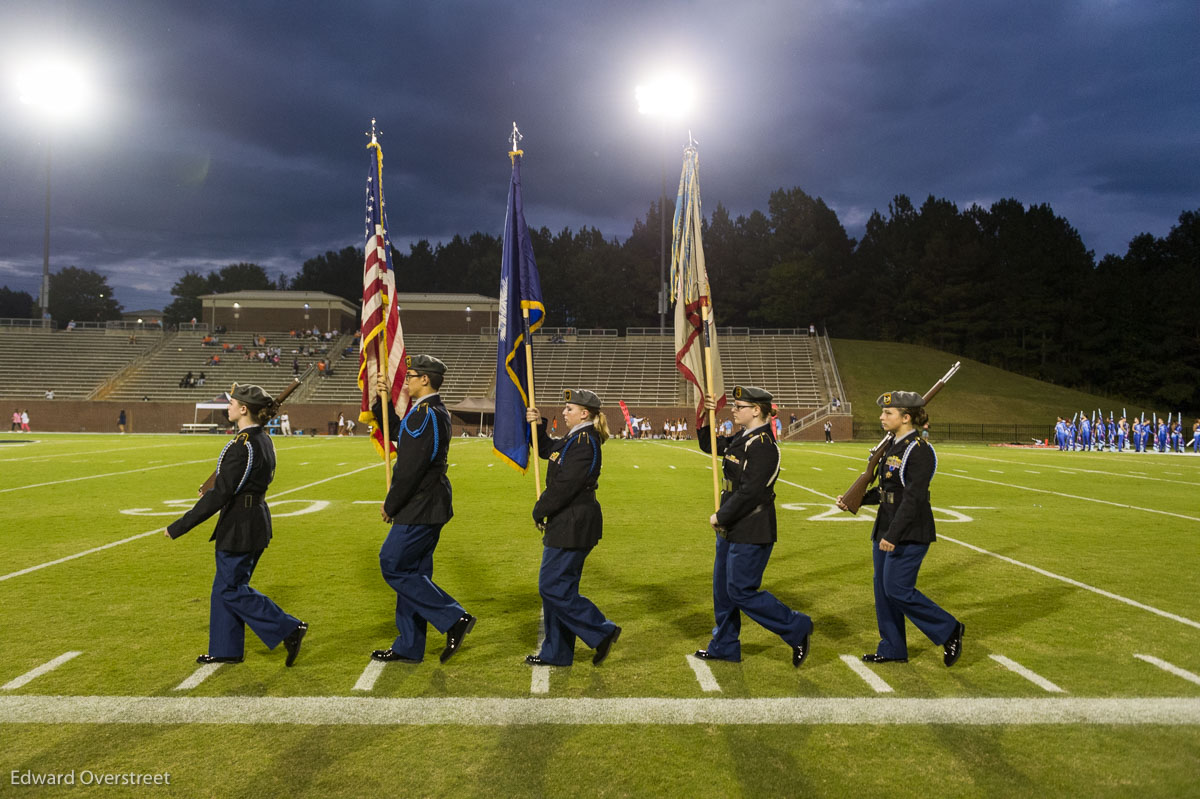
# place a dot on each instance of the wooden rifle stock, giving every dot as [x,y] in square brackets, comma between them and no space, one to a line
[853,496]
[283,395]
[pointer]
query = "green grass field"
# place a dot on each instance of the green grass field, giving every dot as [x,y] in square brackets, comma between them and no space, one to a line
[137,612]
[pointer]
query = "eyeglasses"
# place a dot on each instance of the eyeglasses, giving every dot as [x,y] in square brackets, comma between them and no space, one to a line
[410,375]
[741,407]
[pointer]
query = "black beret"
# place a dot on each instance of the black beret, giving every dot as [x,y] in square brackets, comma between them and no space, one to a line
[900,399]
[426,363]
[582,397]
[751,394]
[251,395]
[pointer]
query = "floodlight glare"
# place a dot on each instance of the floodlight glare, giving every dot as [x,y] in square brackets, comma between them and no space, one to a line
[57,88]
[668,96]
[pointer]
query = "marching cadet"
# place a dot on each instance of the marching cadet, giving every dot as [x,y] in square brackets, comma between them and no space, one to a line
[417,506]
[569,516]
[902,533]
[245,468]
[746,532]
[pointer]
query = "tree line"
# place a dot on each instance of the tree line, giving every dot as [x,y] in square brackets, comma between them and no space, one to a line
[1009,285]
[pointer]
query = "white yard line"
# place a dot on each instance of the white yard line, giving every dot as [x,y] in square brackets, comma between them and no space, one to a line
[1080,469]
[1032,676]
[107,474]
[115,451]
[869,677]
[1167,667]
[704,675]
[492,712]
[12,685]
[1076,496]
[1076,583]
[160,529]
[539,682]
[366,680]
[198,676]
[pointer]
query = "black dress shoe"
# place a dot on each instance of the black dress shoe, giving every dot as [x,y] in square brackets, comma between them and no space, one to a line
[215,659]
[871,657]
[704,654]
[605,645]
[953,647]
[456,634]
[389,656]
[292,643]
[536,660]
[800,652]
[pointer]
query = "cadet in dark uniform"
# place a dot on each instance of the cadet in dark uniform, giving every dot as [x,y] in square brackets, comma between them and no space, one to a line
[902,533]
[418,505]
[569,515]
[746,532]
[245,468]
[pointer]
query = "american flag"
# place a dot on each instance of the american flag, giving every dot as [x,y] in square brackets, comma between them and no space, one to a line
[380,316]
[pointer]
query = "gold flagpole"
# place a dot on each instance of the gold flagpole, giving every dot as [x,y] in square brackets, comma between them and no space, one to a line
[712,416]
[533,437]
[382,350]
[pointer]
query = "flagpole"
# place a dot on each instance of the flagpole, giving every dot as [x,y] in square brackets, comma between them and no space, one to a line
[381,342]
[712,416]
[533,437]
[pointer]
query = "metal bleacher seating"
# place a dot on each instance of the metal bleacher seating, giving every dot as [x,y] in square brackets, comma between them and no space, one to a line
[158,378]
[73,364]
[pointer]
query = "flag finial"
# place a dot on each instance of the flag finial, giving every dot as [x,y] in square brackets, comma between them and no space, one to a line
[515,137]
[374,134]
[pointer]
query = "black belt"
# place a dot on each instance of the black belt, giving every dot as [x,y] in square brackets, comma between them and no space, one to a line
[891,497]
[250,500]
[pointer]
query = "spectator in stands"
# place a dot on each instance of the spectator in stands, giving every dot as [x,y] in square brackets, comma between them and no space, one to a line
[792,419]
[295,366]
[121,421]
[746,532]
[321,367]
[71,325]
[25,421]
[244,472]
[206,341]
[50,394]
[200,379]
[569,515]
[16,420]
[214,360]
[187,381]
[837,403]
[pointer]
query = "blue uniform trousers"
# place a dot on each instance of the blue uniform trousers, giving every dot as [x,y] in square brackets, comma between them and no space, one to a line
[567,615]
[896,596]
[737,575]
[234,604]
[406,560]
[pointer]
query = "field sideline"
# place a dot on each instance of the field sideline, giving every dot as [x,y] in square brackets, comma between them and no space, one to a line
[1074,573]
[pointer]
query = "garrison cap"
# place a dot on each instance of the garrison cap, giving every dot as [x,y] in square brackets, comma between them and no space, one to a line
[751,394]
[251,395]
[900,399]
[425,363]
[582,397]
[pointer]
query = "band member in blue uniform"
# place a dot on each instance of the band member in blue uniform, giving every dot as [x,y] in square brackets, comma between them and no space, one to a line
[417,506]
[746,532]
[1085,434]
[902,534]
[1100,432]
[1196,437]
[1060,434]
[1122,431]
[572,524]
[1160,443]
[245,468]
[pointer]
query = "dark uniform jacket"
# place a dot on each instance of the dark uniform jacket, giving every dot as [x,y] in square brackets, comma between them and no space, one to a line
[750,467]
[904,473]
[245,468]
[420,492]
[568,506]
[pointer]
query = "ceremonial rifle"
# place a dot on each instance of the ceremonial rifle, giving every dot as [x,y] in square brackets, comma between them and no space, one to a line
[283,395]
[853,497]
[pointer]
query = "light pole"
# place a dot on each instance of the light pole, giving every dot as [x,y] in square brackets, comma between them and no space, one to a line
[668,97]
[56,90]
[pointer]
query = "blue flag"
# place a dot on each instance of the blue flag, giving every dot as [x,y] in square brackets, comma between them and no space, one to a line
[521,313]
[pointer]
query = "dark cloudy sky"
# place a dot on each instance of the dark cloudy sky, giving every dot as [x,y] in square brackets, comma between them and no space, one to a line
[233,131]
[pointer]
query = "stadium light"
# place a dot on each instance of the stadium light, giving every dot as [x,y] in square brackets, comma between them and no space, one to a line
[669,98]
[57,90]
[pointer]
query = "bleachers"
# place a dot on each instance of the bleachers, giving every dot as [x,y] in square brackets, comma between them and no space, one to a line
[158,378]
[639,370]
[71,363]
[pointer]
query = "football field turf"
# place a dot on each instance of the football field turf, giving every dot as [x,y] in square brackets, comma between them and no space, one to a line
[1075,574]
